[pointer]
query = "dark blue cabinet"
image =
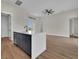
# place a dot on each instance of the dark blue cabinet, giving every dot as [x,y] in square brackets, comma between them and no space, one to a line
[23,41]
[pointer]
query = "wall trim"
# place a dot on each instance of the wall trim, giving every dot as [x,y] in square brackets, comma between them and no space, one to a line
[57,35]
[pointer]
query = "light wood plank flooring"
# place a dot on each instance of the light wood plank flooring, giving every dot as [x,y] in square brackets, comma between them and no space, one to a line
[11,51]
[57,48]
[60,48]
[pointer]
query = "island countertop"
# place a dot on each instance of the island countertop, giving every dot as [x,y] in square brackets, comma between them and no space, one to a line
[23,32]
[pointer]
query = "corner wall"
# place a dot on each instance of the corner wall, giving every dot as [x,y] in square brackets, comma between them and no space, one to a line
[58,24]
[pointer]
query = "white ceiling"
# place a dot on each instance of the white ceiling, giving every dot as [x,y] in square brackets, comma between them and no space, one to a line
[37,6]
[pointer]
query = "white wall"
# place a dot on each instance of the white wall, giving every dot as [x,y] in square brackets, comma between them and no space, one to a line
[58,24]
[4,26]
[19,15]
[37,26]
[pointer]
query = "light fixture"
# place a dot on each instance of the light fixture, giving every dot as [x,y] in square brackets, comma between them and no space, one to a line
[48,11]
[18,2]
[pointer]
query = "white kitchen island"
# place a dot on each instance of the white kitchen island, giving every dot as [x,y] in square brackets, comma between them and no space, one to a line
[36,44]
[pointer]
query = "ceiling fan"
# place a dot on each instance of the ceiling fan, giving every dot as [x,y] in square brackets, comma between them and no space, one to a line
[48,11]
[18,2]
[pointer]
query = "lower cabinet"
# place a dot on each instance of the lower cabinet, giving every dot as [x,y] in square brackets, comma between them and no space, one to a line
[23,41]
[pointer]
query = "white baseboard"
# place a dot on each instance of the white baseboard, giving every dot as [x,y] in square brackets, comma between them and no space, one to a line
[57,35]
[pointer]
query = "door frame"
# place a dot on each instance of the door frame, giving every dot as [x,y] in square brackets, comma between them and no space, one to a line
[70,20]
[11,18]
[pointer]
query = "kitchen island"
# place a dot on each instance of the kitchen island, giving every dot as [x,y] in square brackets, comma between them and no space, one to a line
[33,44]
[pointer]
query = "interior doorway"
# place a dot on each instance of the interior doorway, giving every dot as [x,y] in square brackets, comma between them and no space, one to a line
[5,25]
[29,26]
[35,24]
[74,27]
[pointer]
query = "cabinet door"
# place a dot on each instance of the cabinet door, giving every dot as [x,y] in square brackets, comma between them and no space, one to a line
[16,38]
[23,42]
[27,44]
[28,48]
[20,40]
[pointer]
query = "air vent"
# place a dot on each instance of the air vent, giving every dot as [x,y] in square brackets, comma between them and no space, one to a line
[18,2]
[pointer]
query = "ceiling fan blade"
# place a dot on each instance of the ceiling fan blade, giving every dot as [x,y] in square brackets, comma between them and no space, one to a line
[50,10]
[46,10]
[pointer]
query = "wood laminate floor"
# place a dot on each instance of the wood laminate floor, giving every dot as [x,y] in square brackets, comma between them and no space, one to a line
[11,51]
[60,48]
[57,48]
